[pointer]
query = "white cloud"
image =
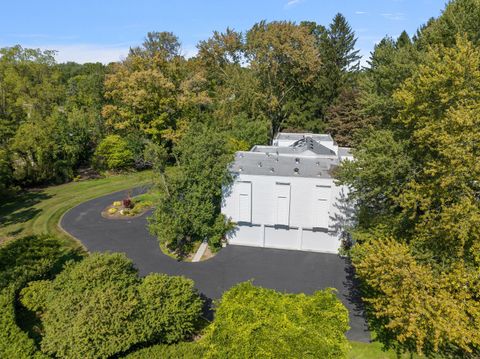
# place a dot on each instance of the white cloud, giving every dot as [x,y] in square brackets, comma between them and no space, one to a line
[291,3]
[393,16]
[189,51]
[83,53]
[360,12]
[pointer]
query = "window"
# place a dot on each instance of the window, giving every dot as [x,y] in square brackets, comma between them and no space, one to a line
[282,198]
[321,206]
[244,201]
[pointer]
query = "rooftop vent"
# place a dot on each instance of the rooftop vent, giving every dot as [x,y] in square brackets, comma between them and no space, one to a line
[272,169]
[259,164]
[240,169]
[297,160]
[296,171]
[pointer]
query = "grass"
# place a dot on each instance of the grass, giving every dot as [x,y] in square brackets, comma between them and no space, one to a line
[39,211]
[374,351]
[150,196]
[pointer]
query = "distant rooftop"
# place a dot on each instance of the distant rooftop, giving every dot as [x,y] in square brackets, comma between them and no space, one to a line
[344,151]
[299,147]
[298,136]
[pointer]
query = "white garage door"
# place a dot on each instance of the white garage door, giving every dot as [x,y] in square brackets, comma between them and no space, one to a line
[281,237]
[247,235]
[320,241]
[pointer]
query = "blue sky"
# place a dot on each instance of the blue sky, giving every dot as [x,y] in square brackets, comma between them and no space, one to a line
[103,31]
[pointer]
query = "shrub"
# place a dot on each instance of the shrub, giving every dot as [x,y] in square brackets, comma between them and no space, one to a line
[112,210]
[117,203]
[184,350]
[14,343]
[22,260]
[253,322]
[113,153]
[127,203]
[100,307]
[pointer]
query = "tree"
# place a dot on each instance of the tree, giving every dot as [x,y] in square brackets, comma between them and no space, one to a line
[418,237]
[344,118]
[113,153]
[460,17]
[285,59]
[413,307]
[163,44]
[391,63]
[189,209]
[6,174]
[262,323]
[440,113]
[99,307]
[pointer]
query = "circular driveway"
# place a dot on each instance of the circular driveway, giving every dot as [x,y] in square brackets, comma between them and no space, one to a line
[283,270]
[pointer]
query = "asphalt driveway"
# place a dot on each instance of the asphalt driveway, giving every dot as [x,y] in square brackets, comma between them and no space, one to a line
[287,271]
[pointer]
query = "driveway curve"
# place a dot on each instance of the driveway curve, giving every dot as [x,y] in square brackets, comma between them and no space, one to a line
[283,270]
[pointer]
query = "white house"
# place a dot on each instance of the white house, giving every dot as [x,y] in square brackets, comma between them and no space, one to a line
[284,196]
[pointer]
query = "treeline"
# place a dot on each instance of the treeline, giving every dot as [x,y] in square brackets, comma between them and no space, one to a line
[415,180]
[57,118]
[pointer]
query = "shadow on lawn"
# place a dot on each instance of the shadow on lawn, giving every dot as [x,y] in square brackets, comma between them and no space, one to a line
[18,208]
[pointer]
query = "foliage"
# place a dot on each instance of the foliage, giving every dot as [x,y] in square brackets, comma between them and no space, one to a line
[99,307]
[421,309]
[113,153]
[22,260]
[189,208]
[262,323]
[183,350]
[6,172]
[415,181]
[344,118]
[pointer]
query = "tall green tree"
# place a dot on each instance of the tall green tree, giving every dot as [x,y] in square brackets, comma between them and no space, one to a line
[189,210]
[419,211]
[285,59]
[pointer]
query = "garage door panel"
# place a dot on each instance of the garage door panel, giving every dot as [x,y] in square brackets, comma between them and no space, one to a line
[281,237]
[247,235]
[320,241]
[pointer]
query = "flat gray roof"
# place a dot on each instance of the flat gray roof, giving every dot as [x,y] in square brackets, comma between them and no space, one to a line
[344,151]
[299,147]
[298,136]
[259,163]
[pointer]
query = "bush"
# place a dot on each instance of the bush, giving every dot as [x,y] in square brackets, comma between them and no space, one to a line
[100,307]
[14,343]
[184,350]
[253,322]
[127,203]
[113,153]
[112,210]
[22,260]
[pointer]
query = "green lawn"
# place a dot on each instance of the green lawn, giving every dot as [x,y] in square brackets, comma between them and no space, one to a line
[39,211]
[374,351]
